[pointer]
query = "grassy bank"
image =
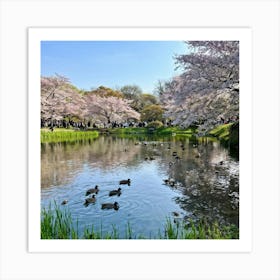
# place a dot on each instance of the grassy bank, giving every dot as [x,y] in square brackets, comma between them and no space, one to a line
[159,131]
[228,134]
[222,132]
[66,135]
[58,224]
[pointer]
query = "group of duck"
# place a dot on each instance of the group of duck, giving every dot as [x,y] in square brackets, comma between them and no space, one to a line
[94,191]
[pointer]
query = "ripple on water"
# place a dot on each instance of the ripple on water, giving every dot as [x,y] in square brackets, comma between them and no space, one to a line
[147,202]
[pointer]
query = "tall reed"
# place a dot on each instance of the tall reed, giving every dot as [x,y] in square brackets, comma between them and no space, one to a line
[58,224]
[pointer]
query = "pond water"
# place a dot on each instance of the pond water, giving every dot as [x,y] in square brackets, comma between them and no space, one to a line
[204,181]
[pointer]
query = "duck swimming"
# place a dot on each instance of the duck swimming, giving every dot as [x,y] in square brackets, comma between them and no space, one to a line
[95,190]
[115,192]
[64,202]
[90,200]
[110,206]
[125,182]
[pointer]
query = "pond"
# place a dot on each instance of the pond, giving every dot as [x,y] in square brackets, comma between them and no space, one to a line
[203,181]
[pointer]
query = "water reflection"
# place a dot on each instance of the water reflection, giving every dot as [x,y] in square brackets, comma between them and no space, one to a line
[205,176]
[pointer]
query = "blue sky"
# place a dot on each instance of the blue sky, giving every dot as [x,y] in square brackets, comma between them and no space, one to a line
[111,63]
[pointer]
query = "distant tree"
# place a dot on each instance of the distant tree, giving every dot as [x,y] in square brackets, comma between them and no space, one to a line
[106,92]
[130,91]
[133,93]
[208,90]
[148,99]
[159,88]
[109,109]
[152,113]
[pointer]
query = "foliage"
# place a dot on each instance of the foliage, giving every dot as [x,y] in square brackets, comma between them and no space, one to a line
[152,113]
[66,135]
[159,131]
[149,99]
[106,92]
[155,124]
[201,230]
[208,89]
[58,224]
[221,131]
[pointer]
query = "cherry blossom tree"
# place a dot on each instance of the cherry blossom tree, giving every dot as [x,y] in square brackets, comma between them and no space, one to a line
[59,99]
[208,89]
[109,109]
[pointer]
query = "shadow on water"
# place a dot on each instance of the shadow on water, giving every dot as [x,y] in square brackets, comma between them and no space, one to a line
[204,176]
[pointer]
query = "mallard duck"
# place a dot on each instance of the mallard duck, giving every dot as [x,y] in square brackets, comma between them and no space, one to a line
[90,200]
[125,182]
[115,192]
[114,205]
[95,190]
[64,202]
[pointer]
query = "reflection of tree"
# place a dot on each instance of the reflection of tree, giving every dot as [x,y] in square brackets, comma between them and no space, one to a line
[60,161]
[209,189]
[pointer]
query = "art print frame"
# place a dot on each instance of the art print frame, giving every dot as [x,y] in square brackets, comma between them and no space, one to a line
[36,35]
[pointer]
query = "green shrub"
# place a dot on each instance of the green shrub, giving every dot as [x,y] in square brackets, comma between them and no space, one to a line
[155,124]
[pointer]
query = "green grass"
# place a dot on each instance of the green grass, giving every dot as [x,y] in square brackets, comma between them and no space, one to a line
[58,224]
[158,131]
[66,135]
[222,132]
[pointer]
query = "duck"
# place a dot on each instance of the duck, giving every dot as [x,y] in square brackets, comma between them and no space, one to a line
[166,181]
[176,214]
[125,182]
[90,200]
[115,192]
[95,190]
[64,202]
[174,154]
[114,205]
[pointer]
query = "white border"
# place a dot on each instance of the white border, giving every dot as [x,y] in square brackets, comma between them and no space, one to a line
[244,244]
